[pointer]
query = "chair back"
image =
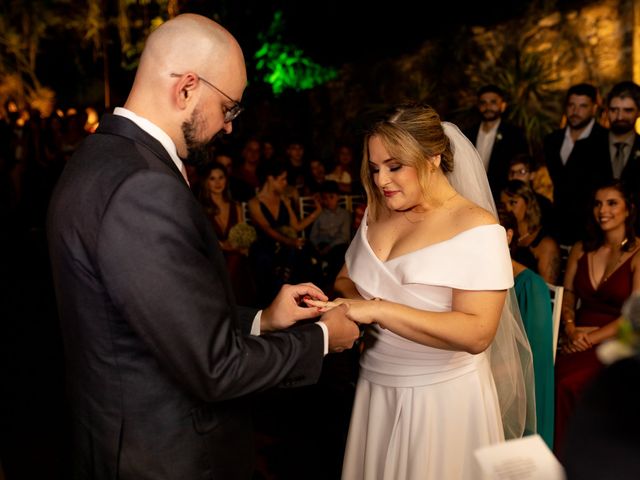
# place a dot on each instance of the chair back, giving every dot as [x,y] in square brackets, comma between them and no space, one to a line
[245,213]
[556,293]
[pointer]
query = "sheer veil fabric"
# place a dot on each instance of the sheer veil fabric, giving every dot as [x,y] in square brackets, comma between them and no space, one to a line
[509,354]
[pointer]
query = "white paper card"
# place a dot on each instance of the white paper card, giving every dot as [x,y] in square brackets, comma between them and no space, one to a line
[526,458]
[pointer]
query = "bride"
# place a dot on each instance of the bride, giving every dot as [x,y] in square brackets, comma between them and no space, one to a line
[430,270]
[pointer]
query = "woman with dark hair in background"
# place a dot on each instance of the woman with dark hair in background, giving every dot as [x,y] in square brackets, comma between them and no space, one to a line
[279,254]
[533,247]
[602,272]
[534,304]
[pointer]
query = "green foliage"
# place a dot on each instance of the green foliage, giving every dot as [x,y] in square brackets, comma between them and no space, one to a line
[284,65]
[528,80]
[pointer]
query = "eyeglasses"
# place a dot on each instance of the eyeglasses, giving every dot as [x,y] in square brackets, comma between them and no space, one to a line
[230,113]
[518,171]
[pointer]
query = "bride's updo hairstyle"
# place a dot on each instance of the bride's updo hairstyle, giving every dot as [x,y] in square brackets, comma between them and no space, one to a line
[411,134]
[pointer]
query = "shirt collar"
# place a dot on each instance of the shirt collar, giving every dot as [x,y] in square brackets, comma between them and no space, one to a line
[629,139]
[155,131]
[585,133]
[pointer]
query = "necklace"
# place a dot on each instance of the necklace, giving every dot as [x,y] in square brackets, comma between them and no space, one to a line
[404,212]
[522,237]
[614,268]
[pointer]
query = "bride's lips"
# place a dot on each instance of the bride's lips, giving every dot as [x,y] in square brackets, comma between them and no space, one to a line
[389,193]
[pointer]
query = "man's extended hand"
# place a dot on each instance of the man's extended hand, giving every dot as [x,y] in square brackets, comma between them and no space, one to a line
[285,310]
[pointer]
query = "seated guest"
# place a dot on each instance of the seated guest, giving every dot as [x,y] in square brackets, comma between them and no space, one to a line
[245,182]
[602,272]
[224,158]
[343,173]
[296,165]
[534,303]
[331,232]
[224,214]
[534,248]
[278,255]
[521,168]
[316,176]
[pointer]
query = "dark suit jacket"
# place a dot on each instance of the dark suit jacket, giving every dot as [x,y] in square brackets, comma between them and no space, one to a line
[600,158]
[158,355]
[573,182]
[509,142]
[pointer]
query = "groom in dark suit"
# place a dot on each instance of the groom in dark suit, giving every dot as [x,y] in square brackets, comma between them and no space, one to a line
[158,355]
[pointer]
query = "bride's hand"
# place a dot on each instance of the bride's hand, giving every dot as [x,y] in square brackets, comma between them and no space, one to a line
[360,311]
[323,306]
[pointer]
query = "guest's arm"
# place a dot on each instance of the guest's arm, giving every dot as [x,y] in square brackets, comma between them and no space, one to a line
[578,339]
[300,225]
[548,257]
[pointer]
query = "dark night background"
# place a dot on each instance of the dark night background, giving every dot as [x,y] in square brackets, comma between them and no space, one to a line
[334,33]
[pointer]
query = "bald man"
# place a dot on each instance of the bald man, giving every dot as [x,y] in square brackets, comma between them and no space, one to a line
[158,355]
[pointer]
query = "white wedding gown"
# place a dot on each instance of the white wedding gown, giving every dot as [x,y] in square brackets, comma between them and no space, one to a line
[420,412]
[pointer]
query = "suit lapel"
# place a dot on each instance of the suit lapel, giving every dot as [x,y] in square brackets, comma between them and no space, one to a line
[121,126]
[633,161]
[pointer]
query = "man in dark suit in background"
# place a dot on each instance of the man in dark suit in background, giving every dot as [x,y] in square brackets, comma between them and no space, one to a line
[617,154]
[567,154]
[158,355]
[497,140]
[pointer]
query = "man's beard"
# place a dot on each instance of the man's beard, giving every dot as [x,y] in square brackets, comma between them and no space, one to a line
[490,115]
[580,124]
[197,150]
[620,127]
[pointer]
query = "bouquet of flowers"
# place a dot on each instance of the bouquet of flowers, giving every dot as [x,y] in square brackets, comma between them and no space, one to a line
[627,342]
[288,231]
[242,235]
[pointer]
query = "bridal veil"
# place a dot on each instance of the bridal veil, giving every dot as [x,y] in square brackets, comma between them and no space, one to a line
[510,354]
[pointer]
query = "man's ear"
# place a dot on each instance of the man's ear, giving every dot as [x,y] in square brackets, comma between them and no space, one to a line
[184,89]
[503,106]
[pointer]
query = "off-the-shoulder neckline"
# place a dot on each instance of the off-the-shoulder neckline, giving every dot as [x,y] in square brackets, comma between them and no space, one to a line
[426,247]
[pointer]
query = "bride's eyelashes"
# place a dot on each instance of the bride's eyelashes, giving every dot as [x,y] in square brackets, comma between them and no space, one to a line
[393,168]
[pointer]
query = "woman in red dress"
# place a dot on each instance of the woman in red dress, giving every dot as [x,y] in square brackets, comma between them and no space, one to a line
[224,214]
[602,272]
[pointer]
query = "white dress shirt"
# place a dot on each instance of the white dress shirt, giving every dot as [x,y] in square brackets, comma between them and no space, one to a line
[484,143]
[568,143]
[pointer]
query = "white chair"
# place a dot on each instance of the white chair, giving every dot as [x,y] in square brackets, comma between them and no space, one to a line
[556,292]
[306,206]
[245,212]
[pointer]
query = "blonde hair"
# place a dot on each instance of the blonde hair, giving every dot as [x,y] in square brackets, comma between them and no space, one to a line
[411,134]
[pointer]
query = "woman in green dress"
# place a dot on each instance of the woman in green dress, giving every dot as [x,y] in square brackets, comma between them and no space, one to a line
[535,308]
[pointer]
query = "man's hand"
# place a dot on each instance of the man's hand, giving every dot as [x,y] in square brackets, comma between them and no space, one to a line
[285,310]
[342,331]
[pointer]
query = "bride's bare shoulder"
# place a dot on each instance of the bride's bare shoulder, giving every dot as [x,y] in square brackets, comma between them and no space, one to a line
[469,215]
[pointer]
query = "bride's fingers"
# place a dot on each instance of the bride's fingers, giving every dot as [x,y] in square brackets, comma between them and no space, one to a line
[324,306]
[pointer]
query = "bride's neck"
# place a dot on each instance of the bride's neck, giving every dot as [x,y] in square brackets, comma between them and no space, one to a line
[440,192]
